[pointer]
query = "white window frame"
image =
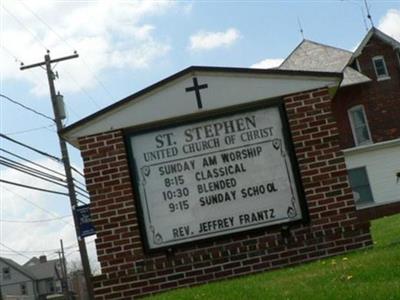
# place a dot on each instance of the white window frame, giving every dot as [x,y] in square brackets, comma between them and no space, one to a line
[380,77]
[353,129]
[359,201]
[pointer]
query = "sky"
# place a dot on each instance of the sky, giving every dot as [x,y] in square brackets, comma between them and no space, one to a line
[123,47]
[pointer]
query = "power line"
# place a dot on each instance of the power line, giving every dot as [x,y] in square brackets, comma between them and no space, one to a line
[83,90]
[36,251]
[30,169]
[33,188]
[45,23]
[33,34]
[46,168]
[49,250]
[368,13]
[99,82]
[31,162]
[38,174]
[36,205]
[23,25]
[40,189]
[15,251]
[34,172]
[11,54]
[77,171]
[83,195]
[62,39]
[31,129]
[26,107]
[69,108]
[32,251]
[34,221]
[72,78]
[9,165]
[83,202]
[83,190]
[82,184]
[31,148]
[362,8]
[300,27]
[74,245]
[364,19]
[70,253]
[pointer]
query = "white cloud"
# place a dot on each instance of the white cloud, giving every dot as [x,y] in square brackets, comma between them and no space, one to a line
[390,23]
[267,63]
[106,35]
[187,7]
[211,40]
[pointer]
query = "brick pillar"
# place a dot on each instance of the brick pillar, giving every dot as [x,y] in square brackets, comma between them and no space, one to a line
[322,167]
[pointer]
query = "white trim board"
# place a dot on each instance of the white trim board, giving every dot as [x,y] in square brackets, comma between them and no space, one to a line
[372,147]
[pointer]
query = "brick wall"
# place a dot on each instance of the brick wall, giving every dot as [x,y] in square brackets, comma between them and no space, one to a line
[380,98]
[128,271]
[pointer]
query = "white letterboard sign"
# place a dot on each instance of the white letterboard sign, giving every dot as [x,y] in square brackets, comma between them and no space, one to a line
[214,177]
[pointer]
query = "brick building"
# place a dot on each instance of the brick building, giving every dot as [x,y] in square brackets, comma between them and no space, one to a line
[320,222]
[367,111]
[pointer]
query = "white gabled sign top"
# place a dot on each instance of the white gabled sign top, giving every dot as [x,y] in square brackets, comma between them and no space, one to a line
[179,97]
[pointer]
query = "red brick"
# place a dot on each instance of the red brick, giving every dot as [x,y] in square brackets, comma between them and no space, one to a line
[120,248]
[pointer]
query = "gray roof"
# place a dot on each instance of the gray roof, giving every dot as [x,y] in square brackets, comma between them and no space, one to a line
[43,270]
[17,267]
[351,77]
[32,261]
[312,56]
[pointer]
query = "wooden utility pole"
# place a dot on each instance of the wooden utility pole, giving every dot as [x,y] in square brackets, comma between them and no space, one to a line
[67,165]
[64,272]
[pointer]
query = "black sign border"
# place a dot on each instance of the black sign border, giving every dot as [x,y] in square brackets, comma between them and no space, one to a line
[209,115]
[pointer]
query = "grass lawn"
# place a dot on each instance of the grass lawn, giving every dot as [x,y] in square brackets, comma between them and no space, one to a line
[366,274]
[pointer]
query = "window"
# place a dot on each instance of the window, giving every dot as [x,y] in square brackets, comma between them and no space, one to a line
[360,185]
[359,126]
[6,273]
[50,285]
[380,68]
[23,289]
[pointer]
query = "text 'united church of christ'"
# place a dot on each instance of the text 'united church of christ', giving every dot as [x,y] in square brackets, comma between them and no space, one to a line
[214,177]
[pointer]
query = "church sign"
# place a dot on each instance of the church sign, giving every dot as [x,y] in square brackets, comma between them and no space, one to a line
[199,173]
[213,177]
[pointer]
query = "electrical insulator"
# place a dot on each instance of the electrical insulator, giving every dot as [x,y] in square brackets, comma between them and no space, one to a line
[61,106]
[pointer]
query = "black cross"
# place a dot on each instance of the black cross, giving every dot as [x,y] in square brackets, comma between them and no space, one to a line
[196,87]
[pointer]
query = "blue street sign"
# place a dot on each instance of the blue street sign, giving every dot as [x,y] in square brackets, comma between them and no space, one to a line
[85,221]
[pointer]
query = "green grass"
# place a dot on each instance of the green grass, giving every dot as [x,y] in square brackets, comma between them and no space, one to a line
[365,274]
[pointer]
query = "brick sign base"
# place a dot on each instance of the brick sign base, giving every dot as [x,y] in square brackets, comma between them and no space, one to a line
[128,272]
